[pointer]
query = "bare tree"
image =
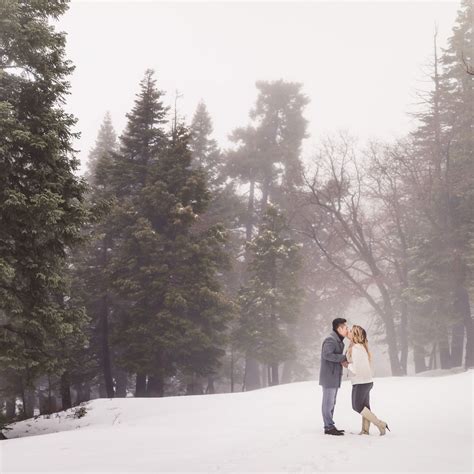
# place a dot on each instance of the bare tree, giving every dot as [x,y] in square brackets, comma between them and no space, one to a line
[346,237]
[396,223]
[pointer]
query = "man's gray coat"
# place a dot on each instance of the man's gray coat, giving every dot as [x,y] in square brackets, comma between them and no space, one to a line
[330,373]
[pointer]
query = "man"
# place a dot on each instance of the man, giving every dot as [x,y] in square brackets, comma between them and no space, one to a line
[330,374]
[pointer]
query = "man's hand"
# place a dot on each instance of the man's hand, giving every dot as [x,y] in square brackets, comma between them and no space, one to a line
[345,363]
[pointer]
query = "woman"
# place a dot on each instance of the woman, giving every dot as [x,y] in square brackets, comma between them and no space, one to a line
[360,372]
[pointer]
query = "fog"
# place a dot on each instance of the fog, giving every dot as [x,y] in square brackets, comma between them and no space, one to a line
[360,62]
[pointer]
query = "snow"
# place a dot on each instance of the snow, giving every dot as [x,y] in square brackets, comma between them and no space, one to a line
[268,430]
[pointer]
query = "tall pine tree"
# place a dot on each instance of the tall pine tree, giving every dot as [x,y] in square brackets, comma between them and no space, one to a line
[41,199]
[92,261]
[171,311]
[444,159]
[271,299]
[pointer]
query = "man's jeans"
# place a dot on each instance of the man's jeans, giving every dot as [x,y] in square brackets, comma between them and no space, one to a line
[329,402]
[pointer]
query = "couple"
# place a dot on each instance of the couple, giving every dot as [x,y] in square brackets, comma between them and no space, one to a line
[358,361]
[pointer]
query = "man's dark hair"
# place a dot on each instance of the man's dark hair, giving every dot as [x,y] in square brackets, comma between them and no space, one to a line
[337,322]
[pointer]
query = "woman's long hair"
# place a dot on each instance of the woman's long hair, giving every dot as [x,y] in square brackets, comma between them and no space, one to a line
[359,336]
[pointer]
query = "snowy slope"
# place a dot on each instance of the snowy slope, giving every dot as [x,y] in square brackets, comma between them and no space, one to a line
[272,429]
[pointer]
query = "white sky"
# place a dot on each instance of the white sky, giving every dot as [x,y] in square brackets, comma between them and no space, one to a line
[360,62]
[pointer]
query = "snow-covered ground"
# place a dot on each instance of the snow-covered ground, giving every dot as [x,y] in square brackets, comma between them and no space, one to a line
[272,429]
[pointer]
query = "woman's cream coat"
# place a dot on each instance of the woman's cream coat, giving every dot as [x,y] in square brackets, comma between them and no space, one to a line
[360,370]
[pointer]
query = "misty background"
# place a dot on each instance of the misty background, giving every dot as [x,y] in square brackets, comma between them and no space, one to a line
[360,63]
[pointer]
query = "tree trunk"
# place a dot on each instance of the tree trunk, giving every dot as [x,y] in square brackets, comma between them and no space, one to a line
[10,408]
[419,359]
[23,400]
[30,402]
[444,353]
[392,346]
[287,371]
[156,382]
[194,386]
[275,378]
[252,374]
[140,385]
[404,338]
[83,393]
[210,384]
[289,365]
[106,363]
[469,359]
[121,380]
[102,390]
[155,386]
[463,312]
[231,370]
[65,391]
[457,344]
[27,401]
[52,405]
[43,403]
[432,363]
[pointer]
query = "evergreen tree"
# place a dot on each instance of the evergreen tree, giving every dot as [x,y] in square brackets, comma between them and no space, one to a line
[171,312]
[267,157]
[143,138]
[100,157]
[92,261]
[444,162]
[206,154]
[281,129]
[269,150]
[271,299]
[225,208]
[41,200]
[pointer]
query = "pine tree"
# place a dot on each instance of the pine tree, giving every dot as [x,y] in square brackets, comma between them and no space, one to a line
[126,177]
[92,261]
[459,177]
[205,151]
[41,199]
[178,310]
[269,150]
[445,162]
[100,157]
[171,312]
[271,299]
[281,129]
[226,208]
[143,138]
[267,157]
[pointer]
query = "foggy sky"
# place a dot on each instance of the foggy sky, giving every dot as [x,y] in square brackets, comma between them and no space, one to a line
[360,62]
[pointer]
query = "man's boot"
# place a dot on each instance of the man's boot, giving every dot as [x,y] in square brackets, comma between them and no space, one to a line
[333,431]
[381,425]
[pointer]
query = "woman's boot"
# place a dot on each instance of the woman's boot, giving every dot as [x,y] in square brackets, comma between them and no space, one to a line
[365,426]
[381,425]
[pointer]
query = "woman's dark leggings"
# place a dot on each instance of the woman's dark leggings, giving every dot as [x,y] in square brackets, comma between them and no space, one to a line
[361,396]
